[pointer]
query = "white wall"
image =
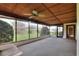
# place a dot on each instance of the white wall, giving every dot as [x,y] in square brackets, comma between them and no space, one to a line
[77,35]
[64,34]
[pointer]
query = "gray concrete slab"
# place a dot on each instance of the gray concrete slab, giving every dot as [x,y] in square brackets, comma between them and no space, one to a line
[50,47]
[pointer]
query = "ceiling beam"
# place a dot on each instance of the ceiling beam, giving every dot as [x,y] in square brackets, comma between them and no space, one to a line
[52,13]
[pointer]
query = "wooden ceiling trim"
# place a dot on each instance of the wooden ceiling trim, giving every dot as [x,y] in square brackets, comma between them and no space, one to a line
[52,13]
[49,7]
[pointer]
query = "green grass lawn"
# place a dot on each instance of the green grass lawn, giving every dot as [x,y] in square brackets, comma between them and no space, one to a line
[53,33]
[33,34]
[25,36]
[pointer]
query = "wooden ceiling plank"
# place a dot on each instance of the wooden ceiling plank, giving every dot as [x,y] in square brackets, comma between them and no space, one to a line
[59,14]
[14,7]
[49,7]
[52,13]
[60,17]
[65,13]
[54,5]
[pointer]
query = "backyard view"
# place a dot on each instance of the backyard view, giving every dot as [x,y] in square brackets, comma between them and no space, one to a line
[39,29]
[33,30]
[27,30]
[53,31]
[22,30]
[60,31]
[10,22]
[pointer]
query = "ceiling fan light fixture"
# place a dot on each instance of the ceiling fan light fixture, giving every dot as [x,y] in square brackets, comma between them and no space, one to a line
[34,12]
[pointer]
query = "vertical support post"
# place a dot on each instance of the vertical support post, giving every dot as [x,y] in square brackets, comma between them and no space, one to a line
[49,30]
[29,29]
[16,30]
[63,30]
[37,30]
[57,31]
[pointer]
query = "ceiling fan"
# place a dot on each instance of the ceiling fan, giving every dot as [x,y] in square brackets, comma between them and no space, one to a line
[35,13]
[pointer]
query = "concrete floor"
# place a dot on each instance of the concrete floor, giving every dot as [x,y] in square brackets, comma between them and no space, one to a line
[50,47]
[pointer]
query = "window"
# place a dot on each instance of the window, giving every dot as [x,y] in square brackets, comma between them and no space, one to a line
[7,30]
[33,30]
[39,29]
[22,30]
[60,31]
[43,30]
[53,31]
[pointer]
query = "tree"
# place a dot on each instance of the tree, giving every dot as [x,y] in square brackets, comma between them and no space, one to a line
[6,32]
[44,31]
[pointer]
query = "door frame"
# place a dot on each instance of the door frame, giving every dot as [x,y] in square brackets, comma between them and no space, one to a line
[74,30]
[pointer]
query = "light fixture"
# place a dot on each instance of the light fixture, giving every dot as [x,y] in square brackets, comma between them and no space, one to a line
[34,12]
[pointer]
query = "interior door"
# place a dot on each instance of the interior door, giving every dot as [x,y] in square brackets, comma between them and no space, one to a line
[70,31]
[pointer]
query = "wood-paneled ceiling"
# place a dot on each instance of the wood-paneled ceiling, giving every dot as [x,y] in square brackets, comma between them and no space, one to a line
[49,13]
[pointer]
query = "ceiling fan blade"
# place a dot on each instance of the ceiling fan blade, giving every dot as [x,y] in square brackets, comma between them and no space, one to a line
[28,14]
[41,16]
